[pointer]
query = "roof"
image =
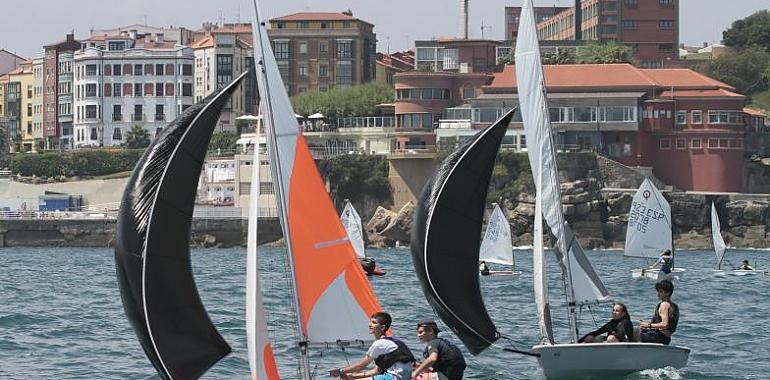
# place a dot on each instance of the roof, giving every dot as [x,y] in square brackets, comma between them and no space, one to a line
[317,16]
[232,28]
[755,112]
[578,76]
[571,95]
[684,78]
[208,42]
[15,55]
[706,93]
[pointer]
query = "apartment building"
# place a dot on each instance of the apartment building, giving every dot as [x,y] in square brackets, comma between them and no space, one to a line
[128,80]
[9,61]
[57,127]
[19,107]
[649,27]
[319,51]
[38,68]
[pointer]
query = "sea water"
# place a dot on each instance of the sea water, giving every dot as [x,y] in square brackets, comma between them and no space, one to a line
[61,315]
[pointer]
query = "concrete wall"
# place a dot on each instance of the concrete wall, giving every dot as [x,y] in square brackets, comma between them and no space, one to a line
[407,176]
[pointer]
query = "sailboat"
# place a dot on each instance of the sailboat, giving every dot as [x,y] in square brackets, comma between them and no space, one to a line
[649,233]
[449,214]
[355,230]
[720,248]
[152,246]
[496,247]
[332,297]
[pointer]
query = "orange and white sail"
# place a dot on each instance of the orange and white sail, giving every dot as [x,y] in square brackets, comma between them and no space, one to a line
[334,299]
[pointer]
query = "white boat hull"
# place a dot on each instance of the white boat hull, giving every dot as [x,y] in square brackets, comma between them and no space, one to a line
[655,274]
[501,274]
[735,272]
[607,359]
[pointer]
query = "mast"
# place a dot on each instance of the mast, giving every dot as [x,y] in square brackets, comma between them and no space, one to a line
[275,164]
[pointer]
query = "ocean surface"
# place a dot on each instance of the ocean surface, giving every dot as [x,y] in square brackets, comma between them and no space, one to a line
[61,316]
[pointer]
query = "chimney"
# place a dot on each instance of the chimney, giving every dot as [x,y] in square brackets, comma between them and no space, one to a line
[159,37]
[348,12]
[464,19]
[578,21]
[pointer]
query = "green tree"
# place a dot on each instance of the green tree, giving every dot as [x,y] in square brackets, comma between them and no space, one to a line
[358,100]
[223,140]
[610,52]
[560,57]
[137,137]
[354,176]
[748,70]
[752,31]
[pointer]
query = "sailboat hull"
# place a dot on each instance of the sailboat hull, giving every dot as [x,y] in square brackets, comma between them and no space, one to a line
[735,272]
[501,274]
[607,359]
[655,274]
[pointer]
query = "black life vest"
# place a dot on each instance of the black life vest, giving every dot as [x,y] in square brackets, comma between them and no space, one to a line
[673,317]
[402,354]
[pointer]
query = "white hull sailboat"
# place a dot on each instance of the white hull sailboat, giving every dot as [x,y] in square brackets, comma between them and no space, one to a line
[649,233]
[351,221]
[602,360]
[720,248]
[496,246]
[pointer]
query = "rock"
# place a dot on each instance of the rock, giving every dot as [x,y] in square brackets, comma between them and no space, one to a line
[619,203]
[400,228]
[526,209]
[746,213]
[582,208]
[380,220]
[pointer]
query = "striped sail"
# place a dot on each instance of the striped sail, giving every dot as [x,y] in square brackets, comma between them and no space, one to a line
[496,246]
[354,228]
[716,235]
[333,297]
[649,223]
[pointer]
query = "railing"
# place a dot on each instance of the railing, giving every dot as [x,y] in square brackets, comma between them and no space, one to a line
[414,149]
[367,122]
[137,117]
[200,212]
[160,117]
[322,153]
[117,117]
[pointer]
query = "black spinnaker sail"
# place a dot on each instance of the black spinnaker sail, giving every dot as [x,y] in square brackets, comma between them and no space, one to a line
[152,248]
[446,237]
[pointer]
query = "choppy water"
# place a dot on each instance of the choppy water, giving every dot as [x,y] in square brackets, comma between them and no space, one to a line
[61,316]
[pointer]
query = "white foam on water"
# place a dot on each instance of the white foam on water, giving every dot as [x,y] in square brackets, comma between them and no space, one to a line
[666,373]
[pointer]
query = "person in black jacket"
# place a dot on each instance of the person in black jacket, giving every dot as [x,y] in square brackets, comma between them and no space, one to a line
[440,354]
[618,329]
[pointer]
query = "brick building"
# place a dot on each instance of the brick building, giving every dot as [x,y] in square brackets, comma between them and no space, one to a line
[57,92]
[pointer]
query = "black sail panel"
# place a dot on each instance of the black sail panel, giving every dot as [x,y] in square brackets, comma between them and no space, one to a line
[152,253]
[446,237]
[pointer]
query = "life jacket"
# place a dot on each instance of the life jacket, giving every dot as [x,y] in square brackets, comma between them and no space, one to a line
[402,354]
[673,317]
[452,358]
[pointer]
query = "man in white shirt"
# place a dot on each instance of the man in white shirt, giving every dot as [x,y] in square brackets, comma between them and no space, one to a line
[392,358]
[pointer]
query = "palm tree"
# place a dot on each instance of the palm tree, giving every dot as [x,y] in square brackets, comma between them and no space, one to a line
[137,137]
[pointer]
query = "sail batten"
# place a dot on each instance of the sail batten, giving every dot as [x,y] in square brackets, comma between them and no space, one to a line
[445,237]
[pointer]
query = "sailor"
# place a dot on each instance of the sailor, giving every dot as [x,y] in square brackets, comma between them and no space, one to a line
[392,358]
[440,354]
[664,262]
[483,268]
[618,329]
[745,266]
[664,320]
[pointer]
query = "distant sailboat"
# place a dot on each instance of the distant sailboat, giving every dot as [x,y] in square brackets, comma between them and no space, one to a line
[152,249]
[355,230]
[720,248]
[496,247]
[332,297]
[649,233]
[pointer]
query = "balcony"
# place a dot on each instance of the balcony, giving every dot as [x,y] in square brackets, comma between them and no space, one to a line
[366,122]
[117,117]
[160,117]
[137,117]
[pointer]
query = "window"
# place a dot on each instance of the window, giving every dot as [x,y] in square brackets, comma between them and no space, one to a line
[116,89]
[187,89]
[324,25]
[281,49]
[666,24]
[187,69]
[323,48]
[91,111]
[736,143]
[302,70]
[697,117]
[116,134]
[713,143]
[724,143]
[632,3]
[469,92]
[725,117]
[665,143]
[159,114]
[117,115]
[666,2]
[303,47]
[137,89]
[29,109]
[681,143]
[344,49]
[681,117]
[90,89]
[138,113]
[695,144]
[665,48]
[159,89]
[90,69]
[116,45]
[158,69]
[94,134]
[266,188]
[344,72]
[138,69]
[415,120]
[629,24]
[346,24]
[116,70]
[584,114]
[323,70]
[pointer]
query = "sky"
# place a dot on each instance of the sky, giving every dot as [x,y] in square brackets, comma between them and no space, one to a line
[30,24]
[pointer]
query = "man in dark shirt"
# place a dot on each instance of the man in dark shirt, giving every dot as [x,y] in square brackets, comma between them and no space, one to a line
[440,354]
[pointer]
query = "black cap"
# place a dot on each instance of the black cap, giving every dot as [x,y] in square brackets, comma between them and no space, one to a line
[428,322]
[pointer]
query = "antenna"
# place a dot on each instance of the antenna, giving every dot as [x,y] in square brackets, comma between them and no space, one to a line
[387,38]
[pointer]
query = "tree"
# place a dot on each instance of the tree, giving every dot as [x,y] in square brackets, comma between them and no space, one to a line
[748,70]
[343,102]
[752,31]
[560,57]
[610,52]
[223,140]
[137,137]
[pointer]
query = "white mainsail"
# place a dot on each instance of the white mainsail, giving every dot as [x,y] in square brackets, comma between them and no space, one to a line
[649,223]
[353,226]
[583,285]
[496,246]
[719,244]
[538,273]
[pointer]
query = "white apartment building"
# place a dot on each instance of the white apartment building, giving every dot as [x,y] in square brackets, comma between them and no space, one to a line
[128,80]
[64,98]
[37,103]
[221,56]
